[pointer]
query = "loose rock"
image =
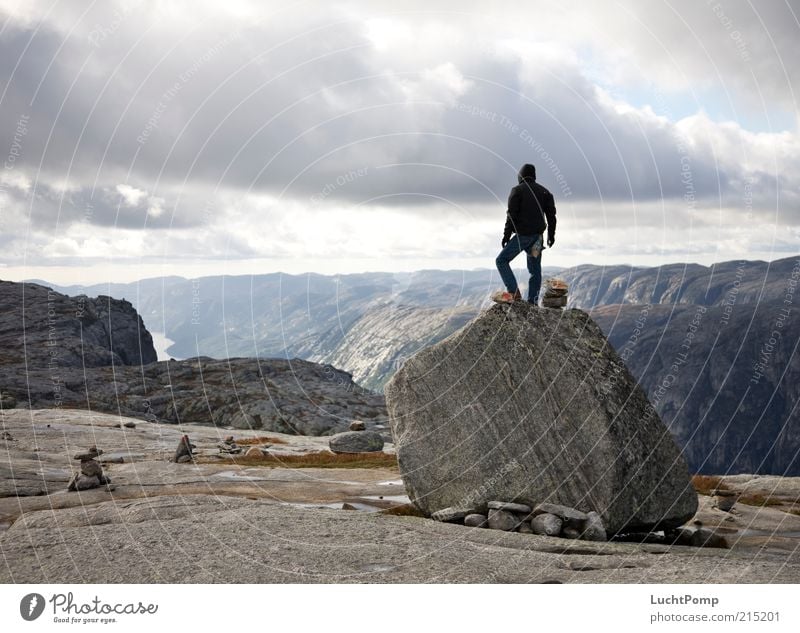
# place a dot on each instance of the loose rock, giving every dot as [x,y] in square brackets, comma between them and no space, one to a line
[91,468]
[356,442]
[357,425]
[546,524]
[521,508]
[502,520]
[566,514]
[571,532]
[524,528]
[475,520]
[451,514]
[90,454]
[594,529]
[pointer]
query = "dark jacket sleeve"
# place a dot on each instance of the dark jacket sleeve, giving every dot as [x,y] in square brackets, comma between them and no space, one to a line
[514,200]
[550,213]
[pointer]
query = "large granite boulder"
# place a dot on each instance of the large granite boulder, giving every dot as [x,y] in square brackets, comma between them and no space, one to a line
[533,405]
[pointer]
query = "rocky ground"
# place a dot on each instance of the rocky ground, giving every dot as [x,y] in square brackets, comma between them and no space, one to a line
[227,519]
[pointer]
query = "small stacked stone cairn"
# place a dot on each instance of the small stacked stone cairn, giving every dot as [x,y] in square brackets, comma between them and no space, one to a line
[555,293]
[183,453]
[91,475]
[229,447]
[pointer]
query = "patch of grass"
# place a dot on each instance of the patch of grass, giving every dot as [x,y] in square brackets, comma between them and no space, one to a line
[320,459]
[266,439]
[405,510]
[706,484]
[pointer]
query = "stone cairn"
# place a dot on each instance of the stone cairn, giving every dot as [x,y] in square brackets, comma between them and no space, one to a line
[547,519]
[229,447]
[183,453]
[91,475]
[555,293]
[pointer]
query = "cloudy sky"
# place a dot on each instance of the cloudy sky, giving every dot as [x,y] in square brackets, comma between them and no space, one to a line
[199,137]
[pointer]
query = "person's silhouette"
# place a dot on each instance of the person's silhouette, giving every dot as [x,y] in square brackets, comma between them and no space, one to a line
[531,211]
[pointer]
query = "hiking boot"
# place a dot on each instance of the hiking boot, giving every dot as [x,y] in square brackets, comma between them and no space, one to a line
[503,296]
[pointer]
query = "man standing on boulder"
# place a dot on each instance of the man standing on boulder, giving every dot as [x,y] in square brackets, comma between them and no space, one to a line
[531,210]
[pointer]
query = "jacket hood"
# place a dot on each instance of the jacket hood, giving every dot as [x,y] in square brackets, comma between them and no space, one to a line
[526,172]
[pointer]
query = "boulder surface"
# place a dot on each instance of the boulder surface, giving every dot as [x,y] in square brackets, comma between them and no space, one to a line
[534,405]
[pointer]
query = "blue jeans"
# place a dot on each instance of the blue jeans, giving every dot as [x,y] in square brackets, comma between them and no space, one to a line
[518,244]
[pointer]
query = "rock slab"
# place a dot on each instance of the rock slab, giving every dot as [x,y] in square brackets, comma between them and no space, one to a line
[356,442]
[535,405]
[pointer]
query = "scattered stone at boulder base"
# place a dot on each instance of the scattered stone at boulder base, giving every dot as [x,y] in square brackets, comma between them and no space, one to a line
[90,454]
[356,442]
[520,508]
[502,520]
[546,524]
[357,425]
[348,506]
[451,514]
[183,453]
[535,405]
[570,516]
[524,528]
[571,532]
[254,451]
[475,520]
[703,537]
[593,528]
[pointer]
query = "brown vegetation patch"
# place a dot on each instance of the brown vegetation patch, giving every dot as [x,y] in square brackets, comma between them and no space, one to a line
[320,459]
[707,484]
[404,510]
[760,500]
[266,439]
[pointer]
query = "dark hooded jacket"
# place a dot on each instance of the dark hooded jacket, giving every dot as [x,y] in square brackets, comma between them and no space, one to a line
[531,208]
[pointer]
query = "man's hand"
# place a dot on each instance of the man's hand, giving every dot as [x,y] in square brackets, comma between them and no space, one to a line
[504,241]
[551,239]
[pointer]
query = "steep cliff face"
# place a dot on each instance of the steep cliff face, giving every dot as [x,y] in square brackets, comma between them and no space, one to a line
[724,379]
[382,339]
[41,328]
[749,281]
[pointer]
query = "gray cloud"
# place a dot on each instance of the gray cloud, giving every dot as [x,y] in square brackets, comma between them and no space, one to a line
[308,108]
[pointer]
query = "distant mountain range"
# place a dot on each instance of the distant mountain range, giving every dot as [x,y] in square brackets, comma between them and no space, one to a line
[714,347]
